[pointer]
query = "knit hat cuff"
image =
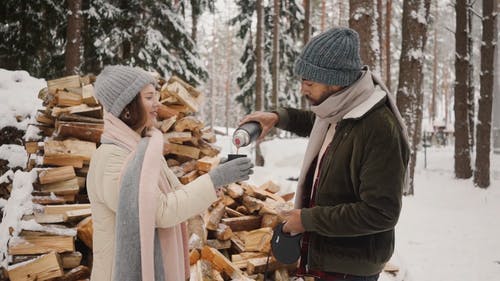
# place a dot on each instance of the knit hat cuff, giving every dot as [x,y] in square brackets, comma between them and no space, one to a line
[135,87]
[337,77]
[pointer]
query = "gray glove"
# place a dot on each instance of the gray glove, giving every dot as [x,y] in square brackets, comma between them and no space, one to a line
[235,170]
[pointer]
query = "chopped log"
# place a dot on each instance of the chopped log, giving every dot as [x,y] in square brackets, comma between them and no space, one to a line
[233,213]
[48,98]
[43,268]
[71,260]
[237,244]
[209,136]
[270,186]
[289,196]
[184,150]
[165,112]
[391,269]
[221,263]
[223,232]
[45,119]
[196,225]
[173,162]
[78,273]
[63,187]
[72,81]
[269,220]
[218,244]
[78,118]
[234,190]
[63,160]
[47,176]
[178,171]
[188,166]
[82,109]
[243,223]
[192,90]
[167,124]
[189,177]
[78,214]
[32,245]
[189,123]
[180,108]
[71,147]
[242,209]
[215,216]
[87,79]
[178,91]
[84,131]
[281,274]
[252,204]
[47,218]
[62,209]
[88,96]
[228,201]
[48,200]
[82,182]
[67,98]
[247,255]
[208,149]
[258,265]
[85,230]
[194,256]
[207,163]
[177,137]
[32,147]
[263,194]
[258,240]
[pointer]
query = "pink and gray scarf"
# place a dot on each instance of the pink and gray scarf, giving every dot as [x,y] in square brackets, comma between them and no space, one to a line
[143,251]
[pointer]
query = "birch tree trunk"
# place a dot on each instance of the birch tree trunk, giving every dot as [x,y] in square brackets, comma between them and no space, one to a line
[496,99]
[380,32]
[73,38]
[409,93]
[259,83]
[363,19]
[462,149]
[489,38]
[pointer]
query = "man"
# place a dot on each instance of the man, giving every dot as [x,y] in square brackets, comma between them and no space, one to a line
[350,186]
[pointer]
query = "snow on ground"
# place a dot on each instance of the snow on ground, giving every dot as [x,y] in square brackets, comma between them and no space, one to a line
[18,93]
[449,230]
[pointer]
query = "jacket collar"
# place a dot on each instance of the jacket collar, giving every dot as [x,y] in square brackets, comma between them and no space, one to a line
[375,98]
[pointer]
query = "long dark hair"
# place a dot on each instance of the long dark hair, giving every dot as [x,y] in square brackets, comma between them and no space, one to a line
[134,114]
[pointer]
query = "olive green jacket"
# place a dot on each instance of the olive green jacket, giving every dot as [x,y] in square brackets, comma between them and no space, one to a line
[358,194]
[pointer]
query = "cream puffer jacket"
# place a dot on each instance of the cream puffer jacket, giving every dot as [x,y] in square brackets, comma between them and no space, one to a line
[103,190]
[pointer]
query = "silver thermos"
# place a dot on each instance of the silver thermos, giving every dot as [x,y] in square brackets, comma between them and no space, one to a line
[246,133]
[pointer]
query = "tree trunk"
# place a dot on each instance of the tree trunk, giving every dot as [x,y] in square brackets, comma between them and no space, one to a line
[380,32]
[73,42]
[489,38]
[470,84]
[462,151]
[307,35]
[259,83]
[363,19]
[496,99]
[194,27]
[388,60]
[432,107]
[409,93]
[275,59]
[229,56]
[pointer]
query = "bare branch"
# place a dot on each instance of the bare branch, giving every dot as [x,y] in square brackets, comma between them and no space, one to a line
[474,12]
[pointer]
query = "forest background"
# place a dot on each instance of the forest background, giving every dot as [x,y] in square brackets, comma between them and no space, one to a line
[438,57]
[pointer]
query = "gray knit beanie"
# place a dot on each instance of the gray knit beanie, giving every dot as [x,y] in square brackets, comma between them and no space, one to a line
[117,85]
[331,58]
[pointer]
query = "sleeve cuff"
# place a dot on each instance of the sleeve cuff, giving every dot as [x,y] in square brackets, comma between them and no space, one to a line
[283,118]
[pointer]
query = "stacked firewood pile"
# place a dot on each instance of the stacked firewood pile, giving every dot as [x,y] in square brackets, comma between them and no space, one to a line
[71,125]
[232,240]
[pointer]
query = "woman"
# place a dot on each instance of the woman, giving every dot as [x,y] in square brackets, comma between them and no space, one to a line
[138,205]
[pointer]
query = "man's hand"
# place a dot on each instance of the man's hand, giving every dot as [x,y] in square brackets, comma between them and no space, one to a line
[266,119]
[293,221]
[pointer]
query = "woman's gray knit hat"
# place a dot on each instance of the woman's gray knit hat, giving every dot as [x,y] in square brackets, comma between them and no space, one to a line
[331,58]
[117,85]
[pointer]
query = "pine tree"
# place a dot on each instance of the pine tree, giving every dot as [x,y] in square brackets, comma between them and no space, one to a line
[33,35]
